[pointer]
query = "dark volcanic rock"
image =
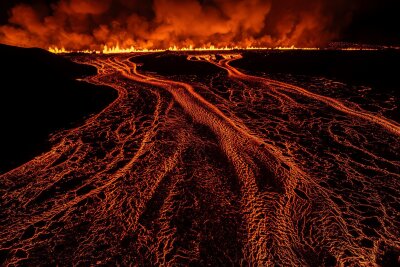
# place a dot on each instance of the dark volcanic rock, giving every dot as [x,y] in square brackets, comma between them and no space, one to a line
[172,63]
[39,95]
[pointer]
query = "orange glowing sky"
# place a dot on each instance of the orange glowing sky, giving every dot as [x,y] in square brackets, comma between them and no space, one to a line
[160,24]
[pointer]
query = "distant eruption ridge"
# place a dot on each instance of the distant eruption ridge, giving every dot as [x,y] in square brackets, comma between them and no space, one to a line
[118,50]
[161,24]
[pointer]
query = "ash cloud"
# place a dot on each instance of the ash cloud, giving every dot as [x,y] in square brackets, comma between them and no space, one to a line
[90,24]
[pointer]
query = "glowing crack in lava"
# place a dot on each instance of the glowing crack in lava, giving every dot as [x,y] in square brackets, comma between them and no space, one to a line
[228,169]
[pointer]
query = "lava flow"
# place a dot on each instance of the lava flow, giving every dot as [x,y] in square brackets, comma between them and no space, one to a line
[222,169]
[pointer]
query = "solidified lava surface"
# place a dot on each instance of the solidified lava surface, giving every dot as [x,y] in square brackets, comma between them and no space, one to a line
[226,168]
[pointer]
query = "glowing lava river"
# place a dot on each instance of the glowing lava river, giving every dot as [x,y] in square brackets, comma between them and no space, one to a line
[227,170]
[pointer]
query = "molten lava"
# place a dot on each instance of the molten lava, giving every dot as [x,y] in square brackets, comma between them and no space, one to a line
[216,169]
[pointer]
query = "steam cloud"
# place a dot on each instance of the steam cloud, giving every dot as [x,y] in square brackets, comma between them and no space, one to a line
[90,24]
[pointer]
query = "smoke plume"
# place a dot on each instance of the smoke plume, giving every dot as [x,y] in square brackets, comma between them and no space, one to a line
[90,24]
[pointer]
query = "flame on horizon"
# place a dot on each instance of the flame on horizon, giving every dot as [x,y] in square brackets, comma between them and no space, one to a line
[117,50]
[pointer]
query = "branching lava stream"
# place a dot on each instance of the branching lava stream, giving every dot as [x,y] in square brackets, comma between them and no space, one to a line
[231,169]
